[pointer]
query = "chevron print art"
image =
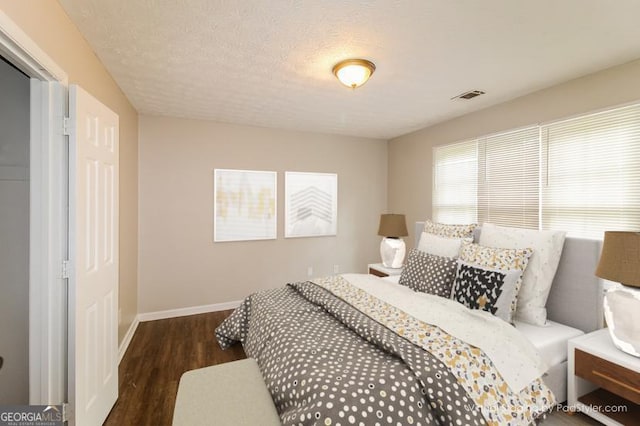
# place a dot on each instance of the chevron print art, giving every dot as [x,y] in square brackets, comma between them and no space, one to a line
[311,204]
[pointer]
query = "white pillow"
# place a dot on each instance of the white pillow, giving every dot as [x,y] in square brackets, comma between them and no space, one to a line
[538,276]
[440,246]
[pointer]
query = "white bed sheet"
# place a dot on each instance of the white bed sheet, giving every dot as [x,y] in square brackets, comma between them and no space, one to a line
[512,354]
[550,340]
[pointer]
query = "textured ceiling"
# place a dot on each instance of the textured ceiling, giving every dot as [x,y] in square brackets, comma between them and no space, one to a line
[268,62]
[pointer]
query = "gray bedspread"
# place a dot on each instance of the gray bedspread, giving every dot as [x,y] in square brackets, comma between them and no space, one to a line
[326,363]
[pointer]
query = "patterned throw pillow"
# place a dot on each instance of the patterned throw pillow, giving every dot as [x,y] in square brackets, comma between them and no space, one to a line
[449,231]
[428,273]
[500,259]
[486,289]
[542,266]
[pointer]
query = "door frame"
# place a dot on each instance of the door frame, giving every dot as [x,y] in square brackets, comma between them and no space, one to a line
[48,201]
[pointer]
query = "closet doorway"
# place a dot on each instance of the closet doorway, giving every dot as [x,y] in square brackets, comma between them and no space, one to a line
[33,222]
[14,235]
[73,228]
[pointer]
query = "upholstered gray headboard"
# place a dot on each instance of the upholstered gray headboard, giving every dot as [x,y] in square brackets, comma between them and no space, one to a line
[576,294]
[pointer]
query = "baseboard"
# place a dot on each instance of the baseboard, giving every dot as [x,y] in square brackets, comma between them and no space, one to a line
[194,310]
[127,338]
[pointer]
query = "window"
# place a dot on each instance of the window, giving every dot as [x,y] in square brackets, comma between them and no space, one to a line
[494,179]
[455,183]
[592,173]
[509,178]
[580,175]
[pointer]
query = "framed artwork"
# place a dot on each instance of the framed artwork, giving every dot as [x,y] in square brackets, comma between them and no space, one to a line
[244,205]
[311,204]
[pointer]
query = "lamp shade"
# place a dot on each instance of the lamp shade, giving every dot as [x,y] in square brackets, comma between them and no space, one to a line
[620,258]
[393,225]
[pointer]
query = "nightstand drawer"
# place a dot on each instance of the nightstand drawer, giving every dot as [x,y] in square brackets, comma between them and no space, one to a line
[609,376]
[379,270]
[377,273]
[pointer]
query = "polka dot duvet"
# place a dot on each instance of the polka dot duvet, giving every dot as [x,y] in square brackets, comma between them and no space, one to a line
[326,362]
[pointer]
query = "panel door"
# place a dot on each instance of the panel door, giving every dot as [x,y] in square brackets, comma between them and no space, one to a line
[93,248]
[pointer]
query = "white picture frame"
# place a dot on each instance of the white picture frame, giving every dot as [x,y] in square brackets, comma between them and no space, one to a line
[245,205]
[311,204]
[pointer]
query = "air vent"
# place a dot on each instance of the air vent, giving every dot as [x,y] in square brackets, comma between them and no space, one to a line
[469,95]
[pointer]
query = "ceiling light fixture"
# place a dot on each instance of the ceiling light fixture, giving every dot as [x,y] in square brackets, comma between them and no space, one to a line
[354,72]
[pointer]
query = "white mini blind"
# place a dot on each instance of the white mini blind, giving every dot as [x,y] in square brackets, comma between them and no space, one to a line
[509,178]
[455,180]
[591,173]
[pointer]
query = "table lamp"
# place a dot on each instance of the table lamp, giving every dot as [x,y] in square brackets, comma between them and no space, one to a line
[392,248]
[620,262]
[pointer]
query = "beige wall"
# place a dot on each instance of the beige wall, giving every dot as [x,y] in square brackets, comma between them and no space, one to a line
[410,156]
[46,23]
[180,266]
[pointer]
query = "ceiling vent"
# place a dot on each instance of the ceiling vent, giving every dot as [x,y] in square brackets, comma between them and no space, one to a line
[469,95]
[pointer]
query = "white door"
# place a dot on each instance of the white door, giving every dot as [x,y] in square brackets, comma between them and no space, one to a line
[93,250]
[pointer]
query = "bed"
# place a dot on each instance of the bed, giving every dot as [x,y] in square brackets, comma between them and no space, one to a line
[357,349]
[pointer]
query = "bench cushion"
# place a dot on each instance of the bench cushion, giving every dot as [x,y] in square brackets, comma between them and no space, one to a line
[232,393]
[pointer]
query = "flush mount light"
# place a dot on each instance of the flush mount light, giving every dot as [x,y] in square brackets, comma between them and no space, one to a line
[354,72]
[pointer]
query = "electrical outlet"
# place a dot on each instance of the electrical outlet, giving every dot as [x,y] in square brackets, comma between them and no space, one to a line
[309,271]
[336,269]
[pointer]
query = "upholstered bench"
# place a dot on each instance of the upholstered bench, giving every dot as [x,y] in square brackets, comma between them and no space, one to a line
[233,393]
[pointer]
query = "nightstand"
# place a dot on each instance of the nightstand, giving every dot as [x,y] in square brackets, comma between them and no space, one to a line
[603,381]
[379,270]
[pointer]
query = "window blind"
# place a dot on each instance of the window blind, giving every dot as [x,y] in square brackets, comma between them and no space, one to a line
[591,173]
[509,178]
[455,180]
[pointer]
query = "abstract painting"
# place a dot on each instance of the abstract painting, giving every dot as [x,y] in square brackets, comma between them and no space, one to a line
[311,204]
[244,205]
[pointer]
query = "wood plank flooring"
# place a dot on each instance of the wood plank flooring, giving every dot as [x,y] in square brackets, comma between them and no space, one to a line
[162,350]
[159,353]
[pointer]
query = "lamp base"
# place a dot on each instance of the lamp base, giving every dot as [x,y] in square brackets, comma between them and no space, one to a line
[622,312]
[392,251]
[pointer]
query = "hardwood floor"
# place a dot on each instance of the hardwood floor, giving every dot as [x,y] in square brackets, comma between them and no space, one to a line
[159,353]
[162,350]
